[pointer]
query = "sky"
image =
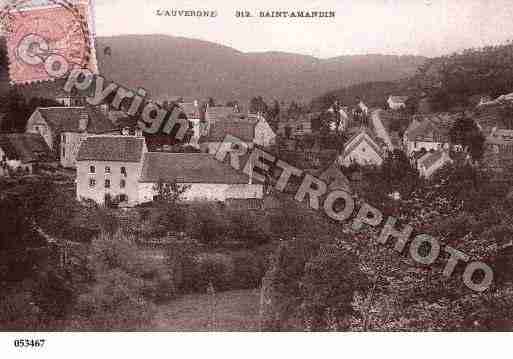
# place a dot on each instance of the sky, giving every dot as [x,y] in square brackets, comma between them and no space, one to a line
[410,27]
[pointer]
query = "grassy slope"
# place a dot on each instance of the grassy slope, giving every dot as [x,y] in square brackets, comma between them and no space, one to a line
[234,311]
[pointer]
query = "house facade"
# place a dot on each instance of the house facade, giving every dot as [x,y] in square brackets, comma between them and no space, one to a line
[363,150]
[432,162]
[397,102]
[109,169]
[498,153]
[424,133]
[264,134]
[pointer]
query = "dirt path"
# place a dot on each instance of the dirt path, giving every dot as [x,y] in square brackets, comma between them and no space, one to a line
[234,311]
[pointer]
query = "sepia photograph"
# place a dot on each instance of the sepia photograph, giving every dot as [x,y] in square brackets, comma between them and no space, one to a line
[304,167]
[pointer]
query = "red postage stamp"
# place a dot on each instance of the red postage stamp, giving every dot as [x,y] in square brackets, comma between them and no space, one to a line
[45,42]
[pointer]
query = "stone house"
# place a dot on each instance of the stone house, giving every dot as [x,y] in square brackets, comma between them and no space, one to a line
[397,102]
[64,128]
[430,162]
[109,169]
[498,153]
[250,129]
[206,178]
[428,133]
[363,149]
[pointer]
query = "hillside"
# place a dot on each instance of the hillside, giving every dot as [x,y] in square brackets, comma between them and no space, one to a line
[374,94]
[170,66]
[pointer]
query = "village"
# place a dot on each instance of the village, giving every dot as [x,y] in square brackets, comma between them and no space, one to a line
[93,189]
[113,162]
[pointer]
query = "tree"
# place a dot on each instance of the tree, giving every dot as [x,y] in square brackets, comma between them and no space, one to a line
[18,110]
[258,105]
[168,215]
[328,285]
[465,132]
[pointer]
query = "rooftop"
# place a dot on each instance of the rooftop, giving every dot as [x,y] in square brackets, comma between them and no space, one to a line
[189,168]
[67,119]
[111,148]
[242,129]
[26,147]
[399,99]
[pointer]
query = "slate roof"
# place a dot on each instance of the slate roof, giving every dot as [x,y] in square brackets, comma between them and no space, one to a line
[67,119]
[26,147]
[351,144]
[111,148]
[242,129]
[189,168]
[431,128]
[488,117]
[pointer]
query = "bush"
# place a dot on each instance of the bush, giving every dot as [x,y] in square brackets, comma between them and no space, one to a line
[215,268]
[181,261]
[249,227]
[114,302]
[331,279]
[249,269]
[207,223]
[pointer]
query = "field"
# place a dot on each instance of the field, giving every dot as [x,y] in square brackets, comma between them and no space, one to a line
[234,311]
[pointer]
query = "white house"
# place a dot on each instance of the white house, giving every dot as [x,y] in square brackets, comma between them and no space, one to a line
[109,169]
[397,102]
[424,133]
[362,149]
[264,134]
[205,178]
[433,161]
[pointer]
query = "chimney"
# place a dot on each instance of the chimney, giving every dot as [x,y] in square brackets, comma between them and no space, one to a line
[138,132]
[83,120]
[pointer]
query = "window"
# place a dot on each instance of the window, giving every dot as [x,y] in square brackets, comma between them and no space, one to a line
[92,169]
[123,171]
[92,182]
[107,183]
[122,183]
[63,138]
[107,169]
[123,198]
[63,152]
